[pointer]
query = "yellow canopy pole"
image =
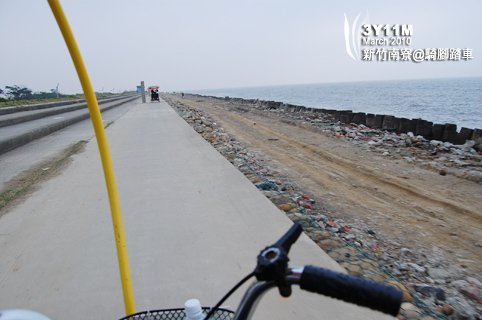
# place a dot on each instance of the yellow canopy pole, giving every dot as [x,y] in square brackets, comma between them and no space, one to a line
[104,153]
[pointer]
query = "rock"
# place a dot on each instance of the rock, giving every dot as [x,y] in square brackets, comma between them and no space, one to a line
[369,264]
[316,235]
[270,194]
[349,237]
[267,185]
[378,277]
[478,147]
[410,311]
[474,174]
[296,216]
[416,267]
[467,313]
[308,206]
[344,253]
[446,309]
[300,218]
[199,129]
[471,292]
[469,144]
[280,198]
[410,159]
[210,138]
[325,234]
[286,207]
[458,284]
[438,273]
[354,269]
[474,281]
[406,252]
[448,145]
[462,309]
[419,138]
[207,123]
[430,291]
[401,266]
[329,244]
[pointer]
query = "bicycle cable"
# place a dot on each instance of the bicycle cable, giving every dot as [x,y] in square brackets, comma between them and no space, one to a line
[227,295]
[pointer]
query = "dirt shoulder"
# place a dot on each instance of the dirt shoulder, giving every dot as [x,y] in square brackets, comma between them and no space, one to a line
[435,216]
[23,184]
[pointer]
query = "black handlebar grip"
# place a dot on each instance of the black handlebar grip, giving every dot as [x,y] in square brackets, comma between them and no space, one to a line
[351,289]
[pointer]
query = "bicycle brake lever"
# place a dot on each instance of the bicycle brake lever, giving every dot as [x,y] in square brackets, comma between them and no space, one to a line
[290,237]
[273,261]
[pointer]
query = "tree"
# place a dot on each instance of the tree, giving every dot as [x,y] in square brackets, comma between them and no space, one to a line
[16,92]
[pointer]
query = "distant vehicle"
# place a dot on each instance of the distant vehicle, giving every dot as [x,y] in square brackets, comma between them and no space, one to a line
[154,90]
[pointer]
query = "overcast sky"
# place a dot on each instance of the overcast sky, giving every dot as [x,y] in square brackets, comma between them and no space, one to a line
[182,45]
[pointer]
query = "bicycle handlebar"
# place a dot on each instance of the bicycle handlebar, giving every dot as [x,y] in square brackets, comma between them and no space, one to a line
[272,270]
[333,284]
[351,289]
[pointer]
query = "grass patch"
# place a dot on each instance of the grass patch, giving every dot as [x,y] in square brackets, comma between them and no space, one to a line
[22,102]
[28,180]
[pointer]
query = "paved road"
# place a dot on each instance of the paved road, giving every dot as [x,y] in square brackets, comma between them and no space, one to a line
[23,158]
[23,127]
[194,225]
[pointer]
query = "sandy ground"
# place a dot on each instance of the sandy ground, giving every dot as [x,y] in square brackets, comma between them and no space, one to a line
[405,203]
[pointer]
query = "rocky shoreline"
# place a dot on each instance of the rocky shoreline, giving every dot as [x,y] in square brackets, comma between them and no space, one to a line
[445,132]
[432,288]
[463,160]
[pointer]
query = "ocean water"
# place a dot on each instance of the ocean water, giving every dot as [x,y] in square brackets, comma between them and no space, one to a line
[456,100]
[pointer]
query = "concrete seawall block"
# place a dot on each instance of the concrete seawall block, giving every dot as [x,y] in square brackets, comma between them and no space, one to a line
[466,133]
[388,123]
[443,132]
[403,126]
[412,125]
[450,133]
[396,123]
[359,118]
[424,128]
[346,116]
[477,135]
[378,121]
[370,120]
[438,131]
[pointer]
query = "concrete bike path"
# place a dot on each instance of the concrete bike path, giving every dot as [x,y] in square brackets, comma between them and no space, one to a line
[194,226]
